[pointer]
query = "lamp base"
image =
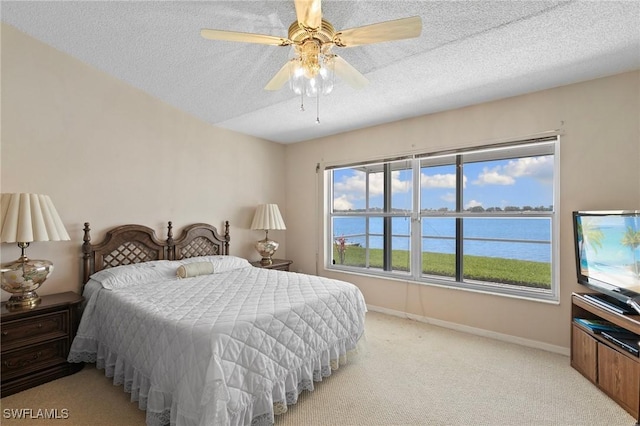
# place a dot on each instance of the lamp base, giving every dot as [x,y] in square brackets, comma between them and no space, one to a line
[266,248]
[27,299]
[22,278]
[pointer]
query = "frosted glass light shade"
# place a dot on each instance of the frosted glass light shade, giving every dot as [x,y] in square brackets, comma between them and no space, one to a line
[312,80]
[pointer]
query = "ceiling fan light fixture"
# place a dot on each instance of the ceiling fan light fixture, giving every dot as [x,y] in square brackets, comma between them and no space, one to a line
[327,73]
[312,76]
[312,68]
[309,53]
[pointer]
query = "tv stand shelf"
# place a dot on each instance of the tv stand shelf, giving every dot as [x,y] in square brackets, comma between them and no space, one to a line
[612,369]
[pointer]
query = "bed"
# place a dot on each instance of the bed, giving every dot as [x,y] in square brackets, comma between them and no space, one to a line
[228,344]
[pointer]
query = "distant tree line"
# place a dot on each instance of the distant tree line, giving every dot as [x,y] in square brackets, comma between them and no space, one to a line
[474,209]
[480,209]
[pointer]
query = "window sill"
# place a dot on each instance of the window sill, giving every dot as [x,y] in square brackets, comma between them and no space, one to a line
[546,297]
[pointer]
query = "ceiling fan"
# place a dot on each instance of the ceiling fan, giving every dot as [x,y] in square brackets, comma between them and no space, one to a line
[312,69]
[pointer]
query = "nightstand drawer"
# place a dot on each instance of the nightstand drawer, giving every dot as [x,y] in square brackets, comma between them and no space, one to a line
[22,361]
[20,332]
[35,342]
[277,264]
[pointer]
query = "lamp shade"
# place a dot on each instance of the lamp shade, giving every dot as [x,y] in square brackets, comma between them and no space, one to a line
[268,217]
[30,217]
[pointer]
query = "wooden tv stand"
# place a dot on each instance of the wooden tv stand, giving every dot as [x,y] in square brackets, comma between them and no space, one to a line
[612,369]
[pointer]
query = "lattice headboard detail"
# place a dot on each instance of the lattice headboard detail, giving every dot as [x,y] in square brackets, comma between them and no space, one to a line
[129,252]
[129,244]
[201,239]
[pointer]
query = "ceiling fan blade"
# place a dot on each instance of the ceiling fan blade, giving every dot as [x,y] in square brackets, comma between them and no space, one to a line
[384,31]
[280,78]
[244,37]
[309,13]
[349,74]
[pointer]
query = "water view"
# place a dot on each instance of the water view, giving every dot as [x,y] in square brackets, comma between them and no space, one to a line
[519,238]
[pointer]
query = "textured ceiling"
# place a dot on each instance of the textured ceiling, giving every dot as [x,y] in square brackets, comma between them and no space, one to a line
[469,52]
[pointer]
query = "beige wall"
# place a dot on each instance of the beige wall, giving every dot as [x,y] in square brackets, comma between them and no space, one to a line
[110,154]
[599,169]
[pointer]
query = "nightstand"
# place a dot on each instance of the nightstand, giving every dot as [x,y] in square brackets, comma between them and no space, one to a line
[35,342]
[279,264]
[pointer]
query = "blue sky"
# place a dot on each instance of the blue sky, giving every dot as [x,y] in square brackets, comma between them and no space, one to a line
[517,182]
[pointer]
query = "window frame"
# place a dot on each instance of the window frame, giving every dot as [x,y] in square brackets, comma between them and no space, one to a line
[547,145]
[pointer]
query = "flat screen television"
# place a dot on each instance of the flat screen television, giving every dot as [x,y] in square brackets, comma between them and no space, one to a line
[607,248]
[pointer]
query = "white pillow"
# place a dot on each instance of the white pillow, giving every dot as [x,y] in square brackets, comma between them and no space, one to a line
[220,263]
[194,269]
[161,270]
[139,273]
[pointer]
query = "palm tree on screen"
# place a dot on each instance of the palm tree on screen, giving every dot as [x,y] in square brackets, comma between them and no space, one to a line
[589,233]
[631,239]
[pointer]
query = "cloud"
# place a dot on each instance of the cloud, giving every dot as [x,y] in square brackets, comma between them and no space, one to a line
[493,177]
[440,180]
[341,203]
[376,183]
[449,197]
[472,203]
[354,187]
[538,168]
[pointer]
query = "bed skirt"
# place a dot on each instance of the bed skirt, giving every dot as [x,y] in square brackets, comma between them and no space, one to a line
[161,408]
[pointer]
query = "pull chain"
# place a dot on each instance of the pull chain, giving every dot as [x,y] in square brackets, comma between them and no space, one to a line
[302,101]
[318,108]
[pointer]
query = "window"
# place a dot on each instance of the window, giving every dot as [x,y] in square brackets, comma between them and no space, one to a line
[481,219]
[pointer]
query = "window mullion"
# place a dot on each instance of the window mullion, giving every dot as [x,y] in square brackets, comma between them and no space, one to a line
[459,226]
[415,244]
[387,220]
[366,204]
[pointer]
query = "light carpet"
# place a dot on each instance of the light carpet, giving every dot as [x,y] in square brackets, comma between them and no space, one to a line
[411,373]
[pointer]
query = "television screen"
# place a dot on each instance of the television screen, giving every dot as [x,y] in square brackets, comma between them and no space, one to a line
[607,245]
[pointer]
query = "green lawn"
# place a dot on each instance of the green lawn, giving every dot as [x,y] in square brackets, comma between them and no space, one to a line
[491,269]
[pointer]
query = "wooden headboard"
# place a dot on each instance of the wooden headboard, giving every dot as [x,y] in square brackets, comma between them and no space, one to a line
[129,244]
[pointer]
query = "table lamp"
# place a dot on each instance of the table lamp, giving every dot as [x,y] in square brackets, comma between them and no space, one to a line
[27,218]
[267,217]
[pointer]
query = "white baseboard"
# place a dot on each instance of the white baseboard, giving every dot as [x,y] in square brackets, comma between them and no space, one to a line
[473,330]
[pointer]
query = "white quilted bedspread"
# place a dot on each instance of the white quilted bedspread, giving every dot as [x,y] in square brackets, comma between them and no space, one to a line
[222,348]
